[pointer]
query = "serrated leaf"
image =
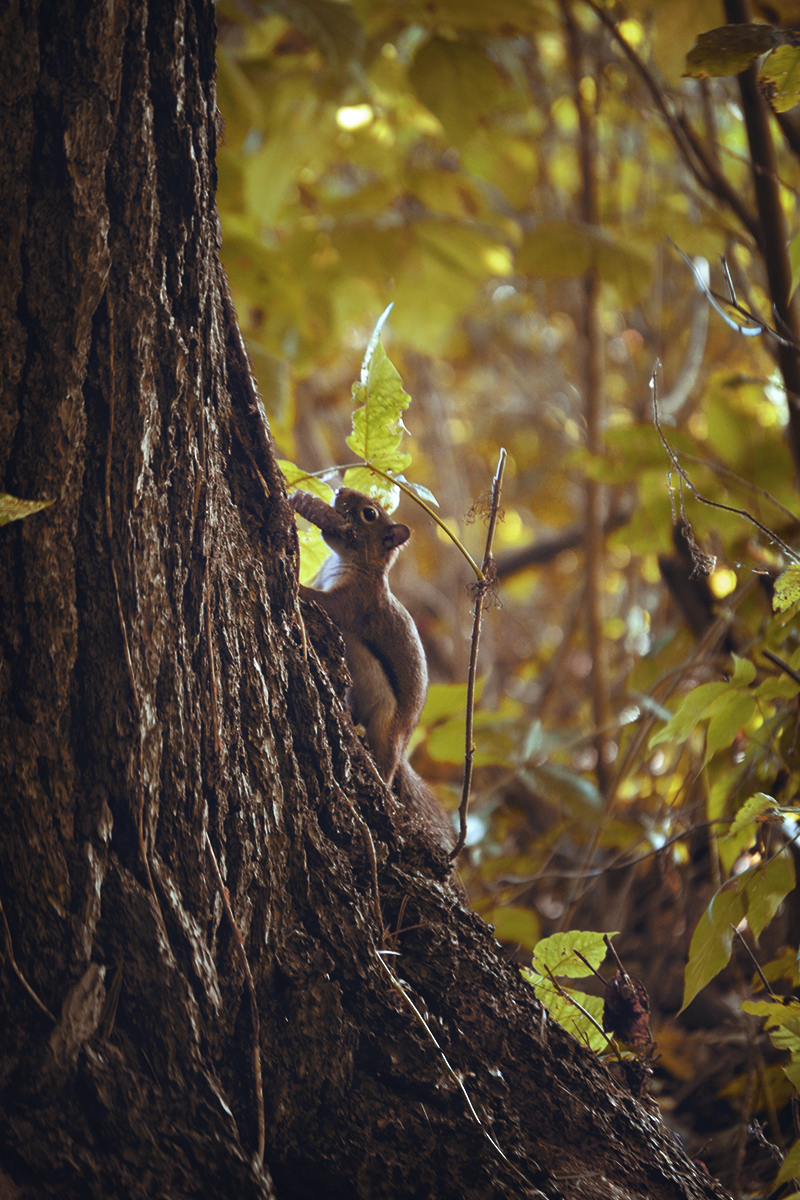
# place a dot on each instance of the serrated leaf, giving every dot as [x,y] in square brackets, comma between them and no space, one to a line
[729,49]
[378,420]
[787,589]
[559,249]
[750,810]
[558,953]
[14,509]
[780,78]
[362,479]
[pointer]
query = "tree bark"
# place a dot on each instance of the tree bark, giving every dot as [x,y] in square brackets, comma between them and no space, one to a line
[161,693]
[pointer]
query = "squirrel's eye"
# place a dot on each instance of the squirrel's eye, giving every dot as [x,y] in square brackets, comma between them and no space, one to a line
[369,514]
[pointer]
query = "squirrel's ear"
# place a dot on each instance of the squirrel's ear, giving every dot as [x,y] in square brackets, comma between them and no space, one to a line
[396,535]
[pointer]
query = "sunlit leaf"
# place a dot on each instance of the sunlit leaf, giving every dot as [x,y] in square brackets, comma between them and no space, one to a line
[755,894]
[755,807]
[377,420]
[787,589]
[744,671]
[558,953]
[692,709]
[564,1009]
[298,480]
[780,78]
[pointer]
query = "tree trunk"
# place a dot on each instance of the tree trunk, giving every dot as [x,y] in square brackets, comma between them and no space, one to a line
[161,694]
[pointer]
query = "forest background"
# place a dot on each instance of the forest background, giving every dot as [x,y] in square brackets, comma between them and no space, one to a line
[509,176]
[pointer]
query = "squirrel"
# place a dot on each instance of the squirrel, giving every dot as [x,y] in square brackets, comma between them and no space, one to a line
[383,650]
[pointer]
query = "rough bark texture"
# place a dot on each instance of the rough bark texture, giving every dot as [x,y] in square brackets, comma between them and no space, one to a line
[158,687]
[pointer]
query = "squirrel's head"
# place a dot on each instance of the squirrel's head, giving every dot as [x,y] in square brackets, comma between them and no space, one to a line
[366,530]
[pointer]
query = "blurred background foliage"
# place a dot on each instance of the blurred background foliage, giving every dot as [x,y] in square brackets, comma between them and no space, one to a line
[508,174]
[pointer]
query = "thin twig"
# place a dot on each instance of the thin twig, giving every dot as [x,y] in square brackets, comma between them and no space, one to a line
[757,327]
[594,970]
[614,864]
[237,936]
[783,666]
[726,472]
[18,972]
[739,512]
[754,960]
[568,996]
[481,589]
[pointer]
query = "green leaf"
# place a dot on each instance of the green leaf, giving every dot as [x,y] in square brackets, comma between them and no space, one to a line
[559,249]
[787,589]
[378,422]
[362,479]
[790,1168]
[766,889]
[313,550]
[727,720]
[778,1015]
[710,949]
[562,1009]
[299,480]
[729,49]
[558,953]
[744,671]
[692,709]
[755,894]
[750,810]
[14,509]
[780,78]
